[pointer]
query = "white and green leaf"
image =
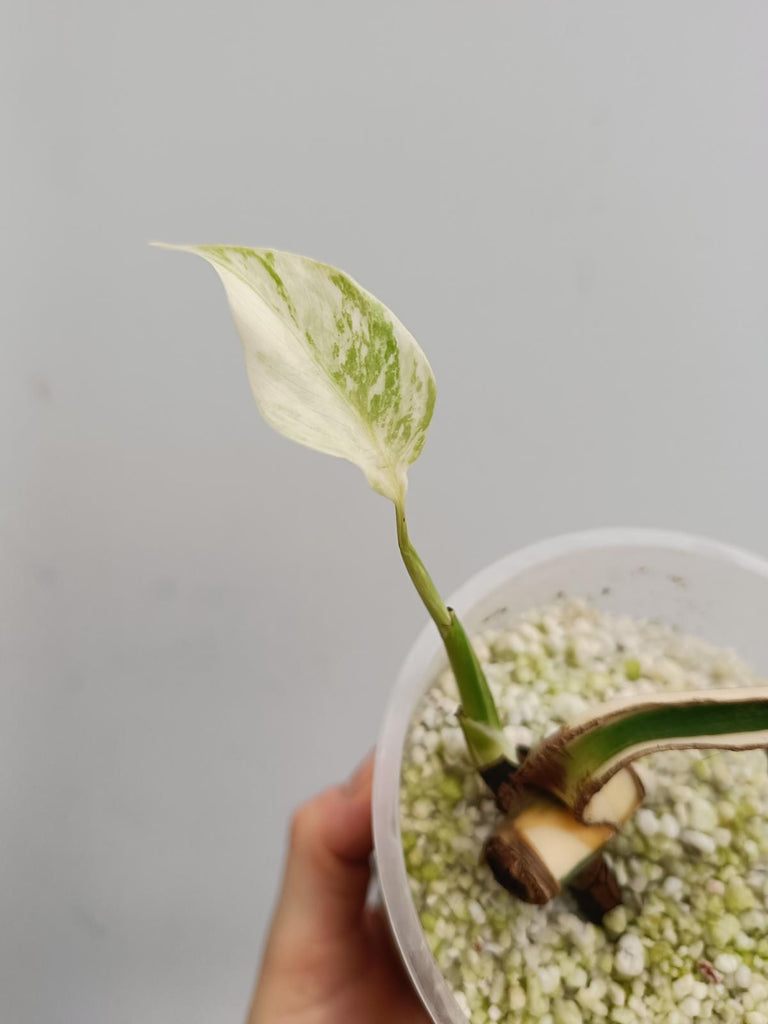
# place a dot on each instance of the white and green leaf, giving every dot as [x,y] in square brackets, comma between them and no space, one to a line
[329,365]
[586,764]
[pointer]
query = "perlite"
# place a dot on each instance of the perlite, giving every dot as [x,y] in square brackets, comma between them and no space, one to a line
[689,900]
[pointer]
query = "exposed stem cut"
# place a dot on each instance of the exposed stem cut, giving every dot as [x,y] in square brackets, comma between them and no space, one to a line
[540,847]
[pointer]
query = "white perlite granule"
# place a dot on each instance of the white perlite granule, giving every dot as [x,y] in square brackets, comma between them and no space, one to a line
[690,942]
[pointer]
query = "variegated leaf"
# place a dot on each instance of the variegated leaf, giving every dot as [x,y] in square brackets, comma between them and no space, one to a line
[329,365]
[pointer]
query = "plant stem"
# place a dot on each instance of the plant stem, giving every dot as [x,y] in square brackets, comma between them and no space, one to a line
[515,863]
[419,575]
[476,698]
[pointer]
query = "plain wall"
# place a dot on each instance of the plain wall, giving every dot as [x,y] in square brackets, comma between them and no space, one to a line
[200,622]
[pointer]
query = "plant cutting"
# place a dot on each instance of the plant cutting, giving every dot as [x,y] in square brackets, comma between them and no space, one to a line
[688,940]
[332,368]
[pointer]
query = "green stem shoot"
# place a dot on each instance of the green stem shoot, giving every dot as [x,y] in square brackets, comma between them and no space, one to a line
[476,699]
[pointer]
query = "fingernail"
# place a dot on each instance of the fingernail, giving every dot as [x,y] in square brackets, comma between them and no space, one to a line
[356,782]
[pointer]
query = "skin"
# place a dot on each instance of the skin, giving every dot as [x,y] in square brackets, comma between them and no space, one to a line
[328,958]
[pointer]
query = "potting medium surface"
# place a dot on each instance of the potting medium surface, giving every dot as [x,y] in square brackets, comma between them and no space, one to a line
[690,941]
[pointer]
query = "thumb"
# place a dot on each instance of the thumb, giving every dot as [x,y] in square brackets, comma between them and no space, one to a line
[327,874]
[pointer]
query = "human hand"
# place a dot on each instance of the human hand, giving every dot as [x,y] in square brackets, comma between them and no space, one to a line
[328,958]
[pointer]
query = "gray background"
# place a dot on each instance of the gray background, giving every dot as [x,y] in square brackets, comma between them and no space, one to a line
[199,622]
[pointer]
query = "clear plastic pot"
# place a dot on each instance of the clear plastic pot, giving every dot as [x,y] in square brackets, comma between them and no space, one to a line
[714,591]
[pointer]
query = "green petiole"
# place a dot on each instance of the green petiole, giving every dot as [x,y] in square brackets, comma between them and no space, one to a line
[477,704]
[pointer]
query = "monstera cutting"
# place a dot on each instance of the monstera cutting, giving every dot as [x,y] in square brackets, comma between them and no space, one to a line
[333,369]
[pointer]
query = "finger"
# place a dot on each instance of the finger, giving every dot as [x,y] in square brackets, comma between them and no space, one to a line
[327,874]
[349,829]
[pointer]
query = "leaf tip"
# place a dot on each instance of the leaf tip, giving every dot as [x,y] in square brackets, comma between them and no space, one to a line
[172,247]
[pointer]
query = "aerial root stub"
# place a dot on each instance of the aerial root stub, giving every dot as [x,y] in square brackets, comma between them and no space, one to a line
[519,869]
[596,889]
